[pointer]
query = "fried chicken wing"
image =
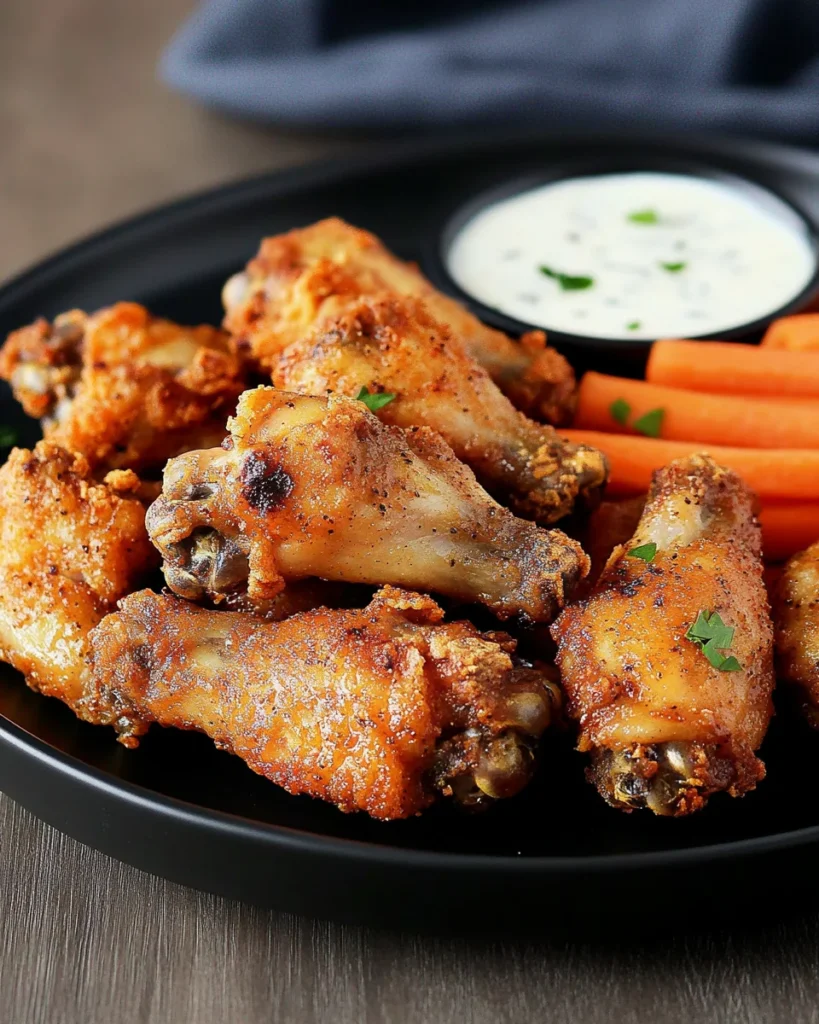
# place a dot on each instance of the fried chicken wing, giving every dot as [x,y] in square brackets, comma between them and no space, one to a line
[377,710]
[69,548]
[394,346]
[668,719]
[796,618]
[311,486]
[123,388]
[280,296]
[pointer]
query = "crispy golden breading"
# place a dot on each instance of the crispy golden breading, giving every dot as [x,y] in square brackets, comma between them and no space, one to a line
[280,297]
[377,710]
[123,388]
[393,345]
[311,486]
[69,548]
[664,726]
[796,618]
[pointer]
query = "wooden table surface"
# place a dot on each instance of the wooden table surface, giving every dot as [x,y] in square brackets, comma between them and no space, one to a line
[90,136]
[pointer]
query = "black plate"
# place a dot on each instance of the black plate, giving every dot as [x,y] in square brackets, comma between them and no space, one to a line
[179,808]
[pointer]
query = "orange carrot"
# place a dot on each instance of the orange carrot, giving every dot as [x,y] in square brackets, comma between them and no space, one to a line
[788,527]
[691,416]
[784,474]
[794,333]
[732,369]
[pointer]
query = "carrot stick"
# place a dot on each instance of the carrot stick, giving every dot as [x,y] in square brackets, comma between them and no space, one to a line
[728,368]
[691,416]
[794,333]
[785,474]
[788,527]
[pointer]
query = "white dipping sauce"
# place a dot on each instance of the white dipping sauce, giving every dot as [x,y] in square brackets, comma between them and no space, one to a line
[637,255]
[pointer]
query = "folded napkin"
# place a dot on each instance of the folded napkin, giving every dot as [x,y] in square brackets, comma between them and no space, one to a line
[741,65]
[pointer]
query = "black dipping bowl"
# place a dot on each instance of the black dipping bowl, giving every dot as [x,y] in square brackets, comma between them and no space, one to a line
[629,354]
[554,857]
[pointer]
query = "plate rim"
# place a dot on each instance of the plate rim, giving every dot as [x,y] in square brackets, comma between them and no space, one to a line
[160,805]
[382,157]
[373,159]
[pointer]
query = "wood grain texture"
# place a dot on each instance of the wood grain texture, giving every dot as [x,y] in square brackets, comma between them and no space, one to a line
[91,136]
[86,939]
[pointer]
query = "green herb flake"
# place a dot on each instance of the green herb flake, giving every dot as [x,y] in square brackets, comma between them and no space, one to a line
[8,437]
[712,636]
[644,551]
[713,653]
[568,282]
[620,410]
[700,629]
[711,627]
[674,268]
[650,423]
[635,325]
[375,401]
[644,217]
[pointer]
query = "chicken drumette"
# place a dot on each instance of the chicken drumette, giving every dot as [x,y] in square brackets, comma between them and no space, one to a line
[394,346]
[69,548]
[378,710]
[123,388]
[668,664]
[310,486]
[280,296]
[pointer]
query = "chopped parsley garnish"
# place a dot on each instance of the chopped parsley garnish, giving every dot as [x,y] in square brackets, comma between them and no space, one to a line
[674,268]
[620,410]
[709,626]
[644,551]
[650,423]
[568,282]
[713,637]
[644,217]
[374,401]
[634,325]
[729,664]
[8,437]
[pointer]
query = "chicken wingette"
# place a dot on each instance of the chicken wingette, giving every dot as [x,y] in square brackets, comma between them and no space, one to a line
[123,388]
[796,617]
[668,664]
[69,549]
[379,710]
[310,486]
[279,297]
[393,347]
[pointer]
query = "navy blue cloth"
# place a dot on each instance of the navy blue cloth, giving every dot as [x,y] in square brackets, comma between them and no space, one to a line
[749,66]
